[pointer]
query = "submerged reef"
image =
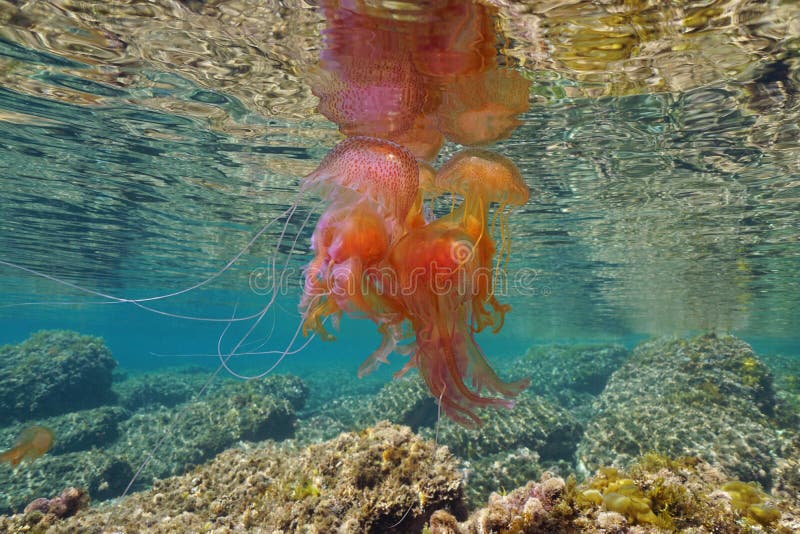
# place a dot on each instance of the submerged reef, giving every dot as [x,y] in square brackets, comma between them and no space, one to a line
[168,387]
[535,429]
[655,494]
[708,396]
[54,372]
[512,446]
[382,479]
[198,430]
[387,479]
[99,449]
[683,437]
[568,375]
[786,370]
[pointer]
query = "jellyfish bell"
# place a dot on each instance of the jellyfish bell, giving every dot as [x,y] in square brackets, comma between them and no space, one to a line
[483,178]
[377,169]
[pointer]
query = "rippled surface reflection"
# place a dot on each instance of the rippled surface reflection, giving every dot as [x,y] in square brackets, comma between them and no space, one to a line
[142,144]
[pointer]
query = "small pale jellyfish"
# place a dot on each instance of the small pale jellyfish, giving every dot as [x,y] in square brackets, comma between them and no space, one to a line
[33,442]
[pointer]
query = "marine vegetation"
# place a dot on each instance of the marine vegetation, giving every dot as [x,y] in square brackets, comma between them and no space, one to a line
[657,494]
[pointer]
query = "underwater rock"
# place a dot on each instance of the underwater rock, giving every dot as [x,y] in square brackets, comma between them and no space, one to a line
[170,387]
[167,387]
[54,372]
[231,411]
[786,372]
[534,423]
[499,472]
[505,452]
[100,449]
[582,368]
[655,495]
[319,428]
[102,473]
[512,445]
[709,396]
[404,401]
[331,384]
[570,375]
[383,479]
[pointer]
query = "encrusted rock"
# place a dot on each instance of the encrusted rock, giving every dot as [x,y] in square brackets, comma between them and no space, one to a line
[383,479]
[710,396]
[54,372]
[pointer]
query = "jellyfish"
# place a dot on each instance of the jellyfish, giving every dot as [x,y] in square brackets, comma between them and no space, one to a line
[437,268]
[444,270]
[372,186]
[482,178]
[33,442]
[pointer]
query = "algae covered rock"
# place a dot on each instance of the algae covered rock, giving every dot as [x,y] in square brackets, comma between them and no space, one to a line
[100,449]
[786,372]
[581,368]
[654,495]
[192,432]
[102,473]
[709,396]
[170,387]
[570,375]
[498,473]
[383,479]
[76,431]
[404,401]
[166,387]
[512,445]
[54,372]
[533,422]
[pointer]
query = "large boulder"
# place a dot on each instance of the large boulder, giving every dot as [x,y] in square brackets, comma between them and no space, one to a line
[709,396]
[54,372]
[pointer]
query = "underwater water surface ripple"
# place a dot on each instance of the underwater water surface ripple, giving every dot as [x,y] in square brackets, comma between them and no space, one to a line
[652,211]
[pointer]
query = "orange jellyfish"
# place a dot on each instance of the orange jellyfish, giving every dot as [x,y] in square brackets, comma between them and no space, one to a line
[445,270]
[482,178]
[33,442]
[371,185]
[437,268]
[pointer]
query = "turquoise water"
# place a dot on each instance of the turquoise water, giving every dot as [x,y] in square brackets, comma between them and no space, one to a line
[652,213]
